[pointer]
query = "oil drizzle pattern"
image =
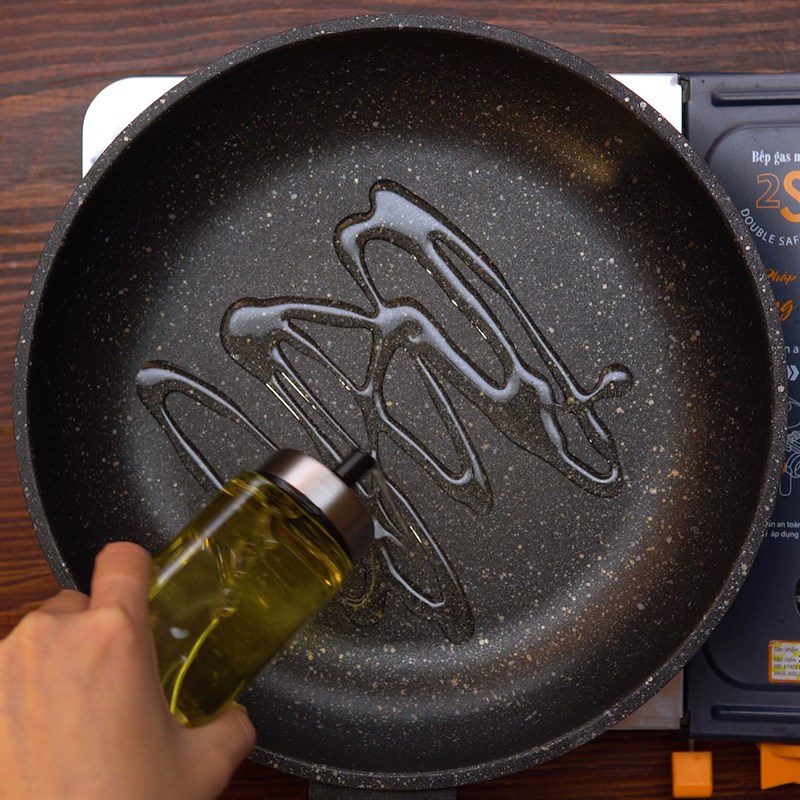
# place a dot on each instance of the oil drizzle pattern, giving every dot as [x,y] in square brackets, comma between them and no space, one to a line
[399,529]
[526,405]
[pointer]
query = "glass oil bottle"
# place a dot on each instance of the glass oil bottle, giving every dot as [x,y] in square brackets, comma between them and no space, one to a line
[233,587]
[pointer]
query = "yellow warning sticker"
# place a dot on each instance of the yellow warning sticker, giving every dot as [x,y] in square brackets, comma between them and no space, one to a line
[784,662]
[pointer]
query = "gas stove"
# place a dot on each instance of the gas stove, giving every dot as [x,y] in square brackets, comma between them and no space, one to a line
[745,682]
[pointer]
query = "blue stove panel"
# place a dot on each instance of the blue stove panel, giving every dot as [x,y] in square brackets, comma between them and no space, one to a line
[745,682]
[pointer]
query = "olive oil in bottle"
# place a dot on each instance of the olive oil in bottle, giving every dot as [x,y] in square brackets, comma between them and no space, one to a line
[233,587]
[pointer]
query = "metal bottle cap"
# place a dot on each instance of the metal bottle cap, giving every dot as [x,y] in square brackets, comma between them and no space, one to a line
[329,493]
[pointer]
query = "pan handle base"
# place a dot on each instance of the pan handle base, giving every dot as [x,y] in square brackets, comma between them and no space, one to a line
[327,791]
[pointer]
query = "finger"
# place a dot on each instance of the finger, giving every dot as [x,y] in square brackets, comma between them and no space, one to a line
[67,601]
[230,737]
[121,577]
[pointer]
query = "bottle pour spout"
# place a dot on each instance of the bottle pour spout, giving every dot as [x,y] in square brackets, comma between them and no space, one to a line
[354,467]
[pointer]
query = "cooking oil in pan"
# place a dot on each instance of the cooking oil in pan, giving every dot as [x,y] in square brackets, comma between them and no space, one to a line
[238,581]
[542,410]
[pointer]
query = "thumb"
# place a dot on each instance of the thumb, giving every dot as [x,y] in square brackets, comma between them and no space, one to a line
[225,742]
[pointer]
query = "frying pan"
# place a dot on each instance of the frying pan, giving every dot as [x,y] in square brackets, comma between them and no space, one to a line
[489,261]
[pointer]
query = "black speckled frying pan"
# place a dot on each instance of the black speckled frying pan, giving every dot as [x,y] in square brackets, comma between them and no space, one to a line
[488,261]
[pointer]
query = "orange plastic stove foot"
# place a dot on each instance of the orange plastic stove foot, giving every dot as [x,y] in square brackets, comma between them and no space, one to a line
[780,763]
[692,774]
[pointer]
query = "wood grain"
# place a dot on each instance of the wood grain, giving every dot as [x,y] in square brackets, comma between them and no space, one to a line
[55,56]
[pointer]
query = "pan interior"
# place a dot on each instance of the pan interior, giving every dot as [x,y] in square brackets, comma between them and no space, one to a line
[524,609]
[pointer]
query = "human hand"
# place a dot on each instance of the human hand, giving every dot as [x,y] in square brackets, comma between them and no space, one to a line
[82,712]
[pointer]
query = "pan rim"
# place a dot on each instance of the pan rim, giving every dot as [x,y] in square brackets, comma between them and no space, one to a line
[696,168]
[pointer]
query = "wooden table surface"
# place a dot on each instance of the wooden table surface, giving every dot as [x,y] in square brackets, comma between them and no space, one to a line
[55,56]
